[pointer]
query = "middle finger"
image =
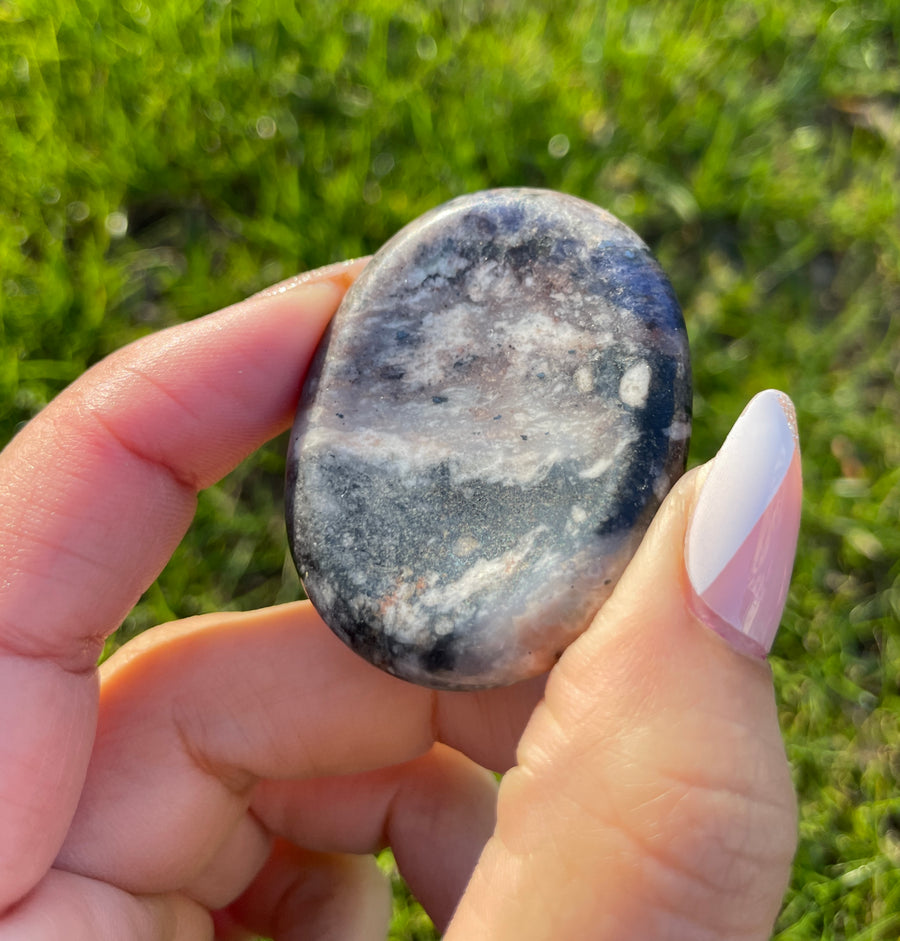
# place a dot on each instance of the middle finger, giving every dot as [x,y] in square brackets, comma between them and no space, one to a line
[195,713]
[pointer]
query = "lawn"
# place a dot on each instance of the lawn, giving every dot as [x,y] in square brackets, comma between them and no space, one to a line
[161,160]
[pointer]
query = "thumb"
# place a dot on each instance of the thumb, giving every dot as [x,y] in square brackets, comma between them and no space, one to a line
[652,797]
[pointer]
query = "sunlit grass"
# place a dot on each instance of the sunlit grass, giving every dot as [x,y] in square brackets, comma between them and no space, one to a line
[161,160]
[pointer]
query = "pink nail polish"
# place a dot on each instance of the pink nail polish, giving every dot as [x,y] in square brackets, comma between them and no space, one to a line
[742,535]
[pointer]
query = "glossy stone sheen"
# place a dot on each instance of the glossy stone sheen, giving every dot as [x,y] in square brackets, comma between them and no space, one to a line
[500,405]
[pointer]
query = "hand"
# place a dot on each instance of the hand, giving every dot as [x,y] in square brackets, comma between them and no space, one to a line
[231,772]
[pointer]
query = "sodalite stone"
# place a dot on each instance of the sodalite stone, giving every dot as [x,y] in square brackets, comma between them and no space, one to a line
[495,414]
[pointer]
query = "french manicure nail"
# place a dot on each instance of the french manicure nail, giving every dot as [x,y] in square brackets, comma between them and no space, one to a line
[742,534]
[341,272]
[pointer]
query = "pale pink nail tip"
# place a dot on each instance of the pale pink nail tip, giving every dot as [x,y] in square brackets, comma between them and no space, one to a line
[743,532]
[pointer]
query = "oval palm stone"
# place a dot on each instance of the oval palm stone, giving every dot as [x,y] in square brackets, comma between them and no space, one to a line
[491,421]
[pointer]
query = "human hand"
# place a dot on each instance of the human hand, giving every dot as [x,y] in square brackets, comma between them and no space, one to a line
[233,771]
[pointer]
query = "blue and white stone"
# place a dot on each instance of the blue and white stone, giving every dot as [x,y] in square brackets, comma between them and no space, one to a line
[496,412]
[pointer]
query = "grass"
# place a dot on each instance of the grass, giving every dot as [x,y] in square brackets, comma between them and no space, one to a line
[162,160]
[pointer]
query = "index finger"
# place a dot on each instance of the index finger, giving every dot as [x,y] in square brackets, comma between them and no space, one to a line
[95,493]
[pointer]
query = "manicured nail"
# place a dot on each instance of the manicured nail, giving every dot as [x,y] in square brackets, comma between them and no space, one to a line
[742,535]
[341,272]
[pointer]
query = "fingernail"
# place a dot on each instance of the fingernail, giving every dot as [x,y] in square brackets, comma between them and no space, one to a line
[343,273]
[742,534]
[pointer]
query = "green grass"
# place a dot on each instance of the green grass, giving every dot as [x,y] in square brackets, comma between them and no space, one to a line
[158,161]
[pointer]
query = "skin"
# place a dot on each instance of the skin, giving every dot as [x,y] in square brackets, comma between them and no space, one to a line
[231,773]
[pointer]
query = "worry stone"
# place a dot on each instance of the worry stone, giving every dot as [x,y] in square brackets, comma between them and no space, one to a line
[493,417]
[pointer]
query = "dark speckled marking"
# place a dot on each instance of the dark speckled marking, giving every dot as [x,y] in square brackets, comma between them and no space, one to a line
[490,423]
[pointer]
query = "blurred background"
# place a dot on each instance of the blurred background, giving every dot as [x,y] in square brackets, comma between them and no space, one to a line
[161,160]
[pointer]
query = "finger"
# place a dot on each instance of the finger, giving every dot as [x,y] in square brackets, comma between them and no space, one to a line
[94,494]
[194,713]
[486,725]
[67,906]
[232,864]
[652,796]
[436,813]
[300,895]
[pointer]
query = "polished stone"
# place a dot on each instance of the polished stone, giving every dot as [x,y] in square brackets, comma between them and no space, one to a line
[491,421]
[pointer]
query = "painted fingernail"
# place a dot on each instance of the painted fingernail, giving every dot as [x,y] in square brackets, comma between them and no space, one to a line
[742,534]
[343,273]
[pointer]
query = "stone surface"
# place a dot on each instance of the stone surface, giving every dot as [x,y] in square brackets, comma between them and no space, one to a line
[500,405]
